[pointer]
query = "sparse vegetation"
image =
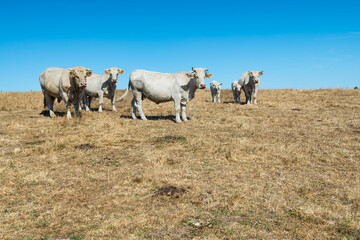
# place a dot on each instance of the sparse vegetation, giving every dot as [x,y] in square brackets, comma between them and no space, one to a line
[286,168]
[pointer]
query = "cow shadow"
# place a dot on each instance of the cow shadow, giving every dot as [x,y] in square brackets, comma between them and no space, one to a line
[97,110]
[232,102]
[45,113]
[155,118]
[226,102]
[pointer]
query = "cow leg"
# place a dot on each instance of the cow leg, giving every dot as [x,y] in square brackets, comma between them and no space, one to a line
[246,90]
[85,103]
[45,105]
[218,97]
[183,112]
[67,104]
[77,106]
[133,108]
[177,110]
[68,113]
[101,100]
[213,97]
[255,93]
[250,95]
[234,96]
[113,103]
[50,103]
[89,99]
[137,103]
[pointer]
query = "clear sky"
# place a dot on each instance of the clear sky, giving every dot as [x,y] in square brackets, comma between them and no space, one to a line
[297,43]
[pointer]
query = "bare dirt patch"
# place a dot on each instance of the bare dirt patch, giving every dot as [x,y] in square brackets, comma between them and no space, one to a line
[171,191]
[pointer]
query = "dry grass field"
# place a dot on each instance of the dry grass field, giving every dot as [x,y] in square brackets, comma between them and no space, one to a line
[287,168]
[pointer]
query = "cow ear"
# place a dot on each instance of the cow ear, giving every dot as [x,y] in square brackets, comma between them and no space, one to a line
[261,73]
[88,73]
[121,71]
[189,75]
[106,71]
[71,71]
[208,75]
[220,83]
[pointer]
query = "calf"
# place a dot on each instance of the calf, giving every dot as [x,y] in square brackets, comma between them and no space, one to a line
[215,88]
[236,90]
[100,86]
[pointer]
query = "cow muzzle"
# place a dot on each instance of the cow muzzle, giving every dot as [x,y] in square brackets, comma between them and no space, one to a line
[202,86]
[256,81]
[82,85]
[114,80]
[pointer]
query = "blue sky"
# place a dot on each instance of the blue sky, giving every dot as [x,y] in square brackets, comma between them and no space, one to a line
[297,43]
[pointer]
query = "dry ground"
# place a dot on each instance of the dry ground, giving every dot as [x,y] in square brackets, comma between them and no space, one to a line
[287,168]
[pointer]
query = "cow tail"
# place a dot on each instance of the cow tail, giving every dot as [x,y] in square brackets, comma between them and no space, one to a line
[125,94]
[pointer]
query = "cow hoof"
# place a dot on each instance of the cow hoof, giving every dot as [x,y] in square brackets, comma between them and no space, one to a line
[52,114]
[68,115]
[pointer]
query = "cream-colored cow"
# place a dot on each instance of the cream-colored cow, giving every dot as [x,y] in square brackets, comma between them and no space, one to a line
[215,89]
[66,84]
[250,82]
[100,86]
[164,87]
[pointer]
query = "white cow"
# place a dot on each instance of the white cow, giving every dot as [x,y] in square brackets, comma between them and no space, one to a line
[215,88]
[236,90]
[66,84]
[250,82]
[100,86]
[164,87]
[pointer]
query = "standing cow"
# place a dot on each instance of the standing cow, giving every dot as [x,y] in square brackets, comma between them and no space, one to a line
[250,82]
[164,87]
[100,86]
[236,90]
[215,88]
[66,84]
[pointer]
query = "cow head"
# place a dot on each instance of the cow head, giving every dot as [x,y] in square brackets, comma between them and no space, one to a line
[255,75]
[236,86]
[79,75]
[215,85]
[199,75]
[113,72]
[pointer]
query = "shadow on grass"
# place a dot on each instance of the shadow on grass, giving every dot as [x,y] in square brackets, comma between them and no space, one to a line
[97,109]
[156,118]
[45,113]
[232,102]
[226,102]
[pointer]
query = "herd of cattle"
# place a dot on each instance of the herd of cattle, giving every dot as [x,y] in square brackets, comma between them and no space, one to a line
[79,83]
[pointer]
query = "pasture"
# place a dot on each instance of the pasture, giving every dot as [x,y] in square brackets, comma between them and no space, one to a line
[287,168]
